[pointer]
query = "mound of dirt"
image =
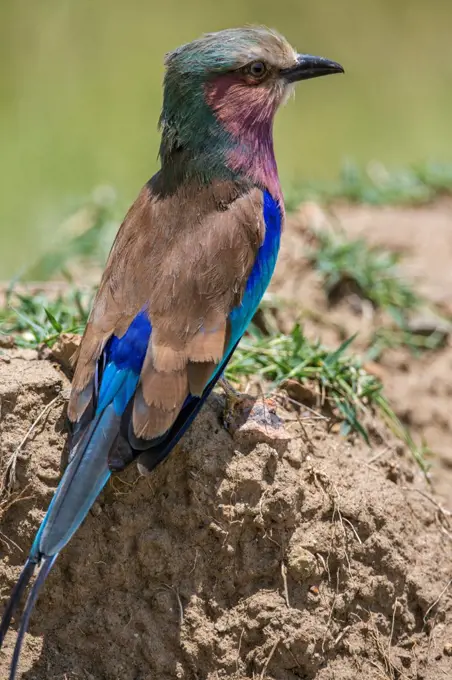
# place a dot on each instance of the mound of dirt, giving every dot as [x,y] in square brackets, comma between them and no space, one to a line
[418,386]
[265,554]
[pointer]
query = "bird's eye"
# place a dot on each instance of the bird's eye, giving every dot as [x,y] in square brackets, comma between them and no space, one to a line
[257,69]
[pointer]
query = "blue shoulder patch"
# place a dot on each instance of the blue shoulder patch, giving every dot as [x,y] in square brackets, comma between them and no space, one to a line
[124,359]
[129,351]
[262,270]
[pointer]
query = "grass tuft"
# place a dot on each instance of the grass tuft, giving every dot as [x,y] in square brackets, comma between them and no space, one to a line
[39,317]
[352,265]
[338,378]
[377,185]
[372,271]
[349,391]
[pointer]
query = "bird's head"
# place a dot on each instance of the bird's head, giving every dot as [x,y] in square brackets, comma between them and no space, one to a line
[225,88]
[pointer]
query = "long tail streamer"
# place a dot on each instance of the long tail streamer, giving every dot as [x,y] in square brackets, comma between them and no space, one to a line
[16,596]
[46,566]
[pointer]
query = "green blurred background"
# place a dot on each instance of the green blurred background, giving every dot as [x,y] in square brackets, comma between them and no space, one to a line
[80,93]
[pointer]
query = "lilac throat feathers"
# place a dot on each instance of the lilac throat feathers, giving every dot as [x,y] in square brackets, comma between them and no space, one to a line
[247,113]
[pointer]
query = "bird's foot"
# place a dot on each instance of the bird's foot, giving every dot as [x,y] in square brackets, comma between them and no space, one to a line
[237,405]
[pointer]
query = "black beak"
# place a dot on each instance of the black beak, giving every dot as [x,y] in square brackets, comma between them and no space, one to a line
[308,66]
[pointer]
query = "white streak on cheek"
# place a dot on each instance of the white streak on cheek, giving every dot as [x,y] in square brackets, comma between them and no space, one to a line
[289,92]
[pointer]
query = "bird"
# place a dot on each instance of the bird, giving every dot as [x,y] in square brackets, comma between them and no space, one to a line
[185,275]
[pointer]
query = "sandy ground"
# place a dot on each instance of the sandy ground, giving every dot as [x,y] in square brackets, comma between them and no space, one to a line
[278,552]
[419,388]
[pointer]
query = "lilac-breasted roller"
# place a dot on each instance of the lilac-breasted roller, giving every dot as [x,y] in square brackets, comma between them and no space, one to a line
[186,273]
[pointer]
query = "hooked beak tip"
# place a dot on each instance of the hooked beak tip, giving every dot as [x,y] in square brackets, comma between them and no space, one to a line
[308,66]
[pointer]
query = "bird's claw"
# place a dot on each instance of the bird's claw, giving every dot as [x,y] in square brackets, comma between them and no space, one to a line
[237,405]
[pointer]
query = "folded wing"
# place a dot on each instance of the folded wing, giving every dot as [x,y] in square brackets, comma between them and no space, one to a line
[181,262]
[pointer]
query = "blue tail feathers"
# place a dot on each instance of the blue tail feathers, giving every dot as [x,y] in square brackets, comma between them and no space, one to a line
[83,480]
[16,596]
[46,566]
[85,476]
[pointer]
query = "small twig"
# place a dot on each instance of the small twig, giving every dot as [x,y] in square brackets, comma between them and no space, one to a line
[324,564]
[336,511]
[181,609]
[347,521]
[316,414]
[129,621]
[379,455]
[443,511]
[10,469]
[117,480]
[237,660]
[341,635]
[9,541]
[445,532]
[285,588]
[194,563]
[437,600]
[6,504]
[381,649]
[179,602]
[330,617]
[381,673]
[394,610]
[269,658]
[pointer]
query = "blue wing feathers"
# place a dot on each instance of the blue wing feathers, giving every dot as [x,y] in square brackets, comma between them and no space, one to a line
[83,479]
[88,470]
[124,359]
[128,352]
